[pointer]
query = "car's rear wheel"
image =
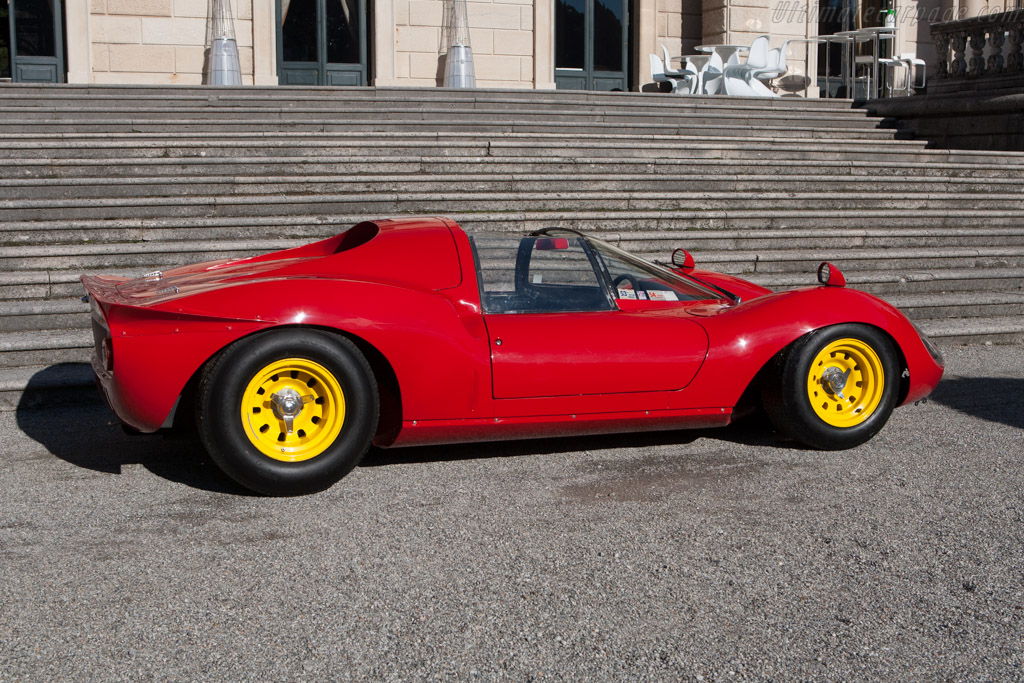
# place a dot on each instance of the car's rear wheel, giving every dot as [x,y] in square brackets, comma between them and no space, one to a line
[288,412]
[835,387]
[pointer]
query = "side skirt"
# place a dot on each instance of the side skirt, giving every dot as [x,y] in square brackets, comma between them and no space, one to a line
[431,432]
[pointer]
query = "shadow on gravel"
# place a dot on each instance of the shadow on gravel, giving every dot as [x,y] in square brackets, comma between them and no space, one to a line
[751,431]
[996,399]
[74,424]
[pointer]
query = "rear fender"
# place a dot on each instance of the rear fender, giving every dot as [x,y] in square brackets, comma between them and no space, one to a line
[436,348]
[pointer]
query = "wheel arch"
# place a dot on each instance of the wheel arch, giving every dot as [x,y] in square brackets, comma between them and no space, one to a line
[388,388]
[750,398]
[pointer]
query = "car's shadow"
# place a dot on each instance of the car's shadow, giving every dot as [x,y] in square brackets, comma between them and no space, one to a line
[76,426]
[996,399]
[751,431]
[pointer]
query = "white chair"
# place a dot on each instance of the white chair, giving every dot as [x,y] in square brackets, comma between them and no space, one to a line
[890,63]
[711,74]
[738,77]
[914,65]
[658,74]
[687,74]
[775,69]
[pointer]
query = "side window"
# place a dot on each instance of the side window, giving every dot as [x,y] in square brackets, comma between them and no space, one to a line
[536,275]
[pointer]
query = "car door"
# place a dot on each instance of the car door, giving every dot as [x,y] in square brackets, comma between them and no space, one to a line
[560,344]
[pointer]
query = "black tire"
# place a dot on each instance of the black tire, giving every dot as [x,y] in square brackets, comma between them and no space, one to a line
[222,393]
[789,387]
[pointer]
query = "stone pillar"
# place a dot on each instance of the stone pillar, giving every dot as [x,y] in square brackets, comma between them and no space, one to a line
[544,44]
[735,22]
[384,40]
[646,40]
[79,40]
[973,8]
[715,15]
[950,9]
[264,43]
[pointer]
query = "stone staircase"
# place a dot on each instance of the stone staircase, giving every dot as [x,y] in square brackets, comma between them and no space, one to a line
[128,179]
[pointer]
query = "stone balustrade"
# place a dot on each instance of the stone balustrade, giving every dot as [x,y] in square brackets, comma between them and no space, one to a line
[984,50]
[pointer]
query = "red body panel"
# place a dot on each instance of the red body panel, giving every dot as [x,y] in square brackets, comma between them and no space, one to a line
[604,352]
[409,289]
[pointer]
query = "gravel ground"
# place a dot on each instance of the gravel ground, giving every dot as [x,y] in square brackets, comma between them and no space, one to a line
[714,555]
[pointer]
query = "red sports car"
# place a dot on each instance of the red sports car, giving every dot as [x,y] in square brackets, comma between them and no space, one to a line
[407,332]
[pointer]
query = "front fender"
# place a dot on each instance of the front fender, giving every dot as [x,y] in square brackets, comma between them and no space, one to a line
[745,337]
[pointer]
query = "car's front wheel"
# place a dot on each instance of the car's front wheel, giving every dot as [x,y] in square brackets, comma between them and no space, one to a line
[288,412]
[833,388]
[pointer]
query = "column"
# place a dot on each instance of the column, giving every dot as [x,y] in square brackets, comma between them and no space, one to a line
[647,40]
[544,44]
[264,42]
[383,43]
[79,41]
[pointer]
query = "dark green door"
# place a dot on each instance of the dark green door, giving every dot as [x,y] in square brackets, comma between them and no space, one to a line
[5,40]
[322,42]
[33,49]
[592,44]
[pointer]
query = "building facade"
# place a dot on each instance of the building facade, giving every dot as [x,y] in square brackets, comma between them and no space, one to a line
[580,44]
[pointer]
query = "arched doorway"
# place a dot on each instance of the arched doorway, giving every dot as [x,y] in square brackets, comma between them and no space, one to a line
[592,44]
[322,42]
[32,50]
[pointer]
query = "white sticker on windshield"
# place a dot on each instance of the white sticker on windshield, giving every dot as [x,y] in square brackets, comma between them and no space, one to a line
[642,294]
[663,295]
[627,294]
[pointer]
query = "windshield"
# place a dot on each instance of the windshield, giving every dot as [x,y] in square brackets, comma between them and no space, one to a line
[634,278]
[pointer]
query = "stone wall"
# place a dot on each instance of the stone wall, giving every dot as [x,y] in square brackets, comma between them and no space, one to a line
[501,35]
[679,26]
[159,41]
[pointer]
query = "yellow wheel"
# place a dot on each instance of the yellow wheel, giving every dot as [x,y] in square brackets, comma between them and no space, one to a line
[833,388]
[288,411]
[846,382]
[293,409]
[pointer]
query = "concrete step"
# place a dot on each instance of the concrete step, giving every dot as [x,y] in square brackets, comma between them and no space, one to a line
[129,255]
[457,99]
[31,386]
[859,260]
[614,144]
[945,305]
[770,185]
[44,347]
[887,283]
[426,166]
[263,116]
[454,202]
[757,240]
[650,149]
[640,231]
[55,314]
[571,129]
[191,97]
[994,330]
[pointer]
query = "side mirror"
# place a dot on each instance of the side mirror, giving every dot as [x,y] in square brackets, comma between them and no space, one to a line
[830,276]
[683,259]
